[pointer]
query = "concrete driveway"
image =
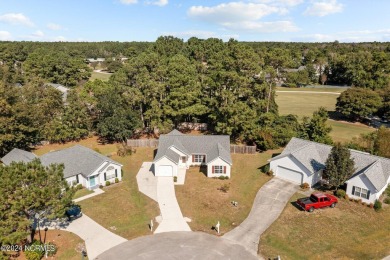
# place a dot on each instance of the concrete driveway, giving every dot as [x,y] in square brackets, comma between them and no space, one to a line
[97,238]
[269,203]
[178,245]
[172,218]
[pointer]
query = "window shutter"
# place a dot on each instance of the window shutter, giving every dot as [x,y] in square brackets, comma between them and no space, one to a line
[105,177]
[224,169]
[353,190]
[212,171]
[77,178]
[116,173]
[368,194]
[193,158]
[204,158]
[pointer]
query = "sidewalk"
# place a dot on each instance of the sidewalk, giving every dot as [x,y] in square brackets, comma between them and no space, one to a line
[95,193]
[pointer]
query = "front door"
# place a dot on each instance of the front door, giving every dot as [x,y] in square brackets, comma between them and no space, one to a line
[92,181]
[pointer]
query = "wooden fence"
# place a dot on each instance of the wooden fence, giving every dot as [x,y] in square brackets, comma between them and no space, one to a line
[242,149]
[154,143]
[142,142]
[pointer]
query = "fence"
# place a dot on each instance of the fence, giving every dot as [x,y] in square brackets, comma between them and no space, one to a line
[142,142]
[242,149]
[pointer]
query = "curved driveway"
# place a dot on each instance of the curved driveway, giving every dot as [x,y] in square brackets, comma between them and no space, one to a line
[268,205]
[178,245]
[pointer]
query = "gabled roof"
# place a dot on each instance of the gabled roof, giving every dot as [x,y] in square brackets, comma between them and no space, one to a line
[77,159]
[213,146]
[313,156]
[17,155]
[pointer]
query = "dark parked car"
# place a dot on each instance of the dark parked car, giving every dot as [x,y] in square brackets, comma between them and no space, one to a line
[73,212]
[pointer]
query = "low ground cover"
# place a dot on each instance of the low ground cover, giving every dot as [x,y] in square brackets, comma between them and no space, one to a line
[82,192]
[122,209]
[349,231]
[207,200]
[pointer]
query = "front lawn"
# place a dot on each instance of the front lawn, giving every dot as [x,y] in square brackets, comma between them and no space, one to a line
[82,192]
[349,231]
[122,209]
[201,199]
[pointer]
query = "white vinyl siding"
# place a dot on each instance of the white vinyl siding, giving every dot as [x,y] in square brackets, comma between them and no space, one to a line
[218,167]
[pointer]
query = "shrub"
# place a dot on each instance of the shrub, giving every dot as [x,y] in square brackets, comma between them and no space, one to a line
[53,249]
[377,205]
[270,173]
[265,168]
[388,190]
[108,183]
[387,200]
[224,188]
[116,180]
[223,177]
[346,197]
[100,186]
[305,186]
[79,186]
[340,193]
[371,205]
[175,178]
[34,251]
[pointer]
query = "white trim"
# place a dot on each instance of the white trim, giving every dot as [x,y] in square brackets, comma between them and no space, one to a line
[166,158]
[221,159]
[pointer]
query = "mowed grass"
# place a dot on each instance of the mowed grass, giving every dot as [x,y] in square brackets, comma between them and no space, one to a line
[81,193]
[101,76]
[349,231]
[304,104]
[201,200]
[122,208]
[316,89]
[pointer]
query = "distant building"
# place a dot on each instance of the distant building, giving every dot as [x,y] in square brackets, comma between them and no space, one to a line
[61,88]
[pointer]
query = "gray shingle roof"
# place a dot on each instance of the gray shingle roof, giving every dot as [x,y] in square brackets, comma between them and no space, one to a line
[77,160]
[17,155]
[313,156]
[213,146]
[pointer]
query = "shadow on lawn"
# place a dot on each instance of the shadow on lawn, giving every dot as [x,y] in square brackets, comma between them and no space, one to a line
[295,204]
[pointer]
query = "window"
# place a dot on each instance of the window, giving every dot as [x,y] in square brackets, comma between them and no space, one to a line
[360,192]
[218,169]
[198,158]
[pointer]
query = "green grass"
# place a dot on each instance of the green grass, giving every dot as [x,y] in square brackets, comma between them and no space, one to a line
[201,200]
[121,206]
[101,76]
[317,89]
[349,231]
[304,104]
[81,193]
[344,131]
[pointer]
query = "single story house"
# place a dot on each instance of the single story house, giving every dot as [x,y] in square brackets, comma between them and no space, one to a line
[177,151]
[304,161]
[82,165]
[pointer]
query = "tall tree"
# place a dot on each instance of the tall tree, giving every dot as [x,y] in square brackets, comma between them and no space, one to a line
[339,166]
[316,128]
[27,189]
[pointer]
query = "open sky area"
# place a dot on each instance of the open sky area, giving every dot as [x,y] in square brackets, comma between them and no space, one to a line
[145,20]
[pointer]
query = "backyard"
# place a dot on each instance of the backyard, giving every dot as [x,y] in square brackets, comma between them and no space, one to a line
[349,231]
[101,76]
[202,200]
[122,209]
[297,102]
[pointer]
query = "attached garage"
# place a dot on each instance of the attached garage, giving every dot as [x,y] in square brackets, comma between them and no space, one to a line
[290,175]
[165,171]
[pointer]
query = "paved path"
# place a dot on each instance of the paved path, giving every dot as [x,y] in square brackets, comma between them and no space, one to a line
[97,238]
[178,245]
[95,193]
[181,175]
[312,92]
[147,182]
[172,219]
[269,203]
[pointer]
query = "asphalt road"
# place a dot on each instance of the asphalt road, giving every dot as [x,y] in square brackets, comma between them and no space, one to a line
[178,245]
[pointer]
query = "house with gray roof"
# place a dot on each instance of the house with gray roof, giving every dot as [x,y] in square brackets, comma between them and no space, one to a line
[304,161]
[177,151]
[17,155]
[81,165]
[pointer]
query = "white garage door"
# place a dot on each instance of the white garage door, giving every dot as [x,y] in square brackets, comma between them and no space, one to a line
[289,175]
[165,170]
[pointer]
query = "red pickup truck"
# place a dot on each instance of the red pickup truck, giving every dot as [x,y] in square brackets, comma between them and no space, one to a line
[316,201]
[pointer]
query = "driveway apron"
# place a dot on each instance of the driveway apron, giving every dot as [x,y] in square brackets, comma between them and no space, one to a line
[172,218]
[97,238]
[268,205]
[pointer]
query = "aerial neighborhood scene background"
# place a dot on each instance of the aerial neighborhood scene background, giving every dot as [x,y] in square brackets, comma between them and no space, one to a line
[166,129]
